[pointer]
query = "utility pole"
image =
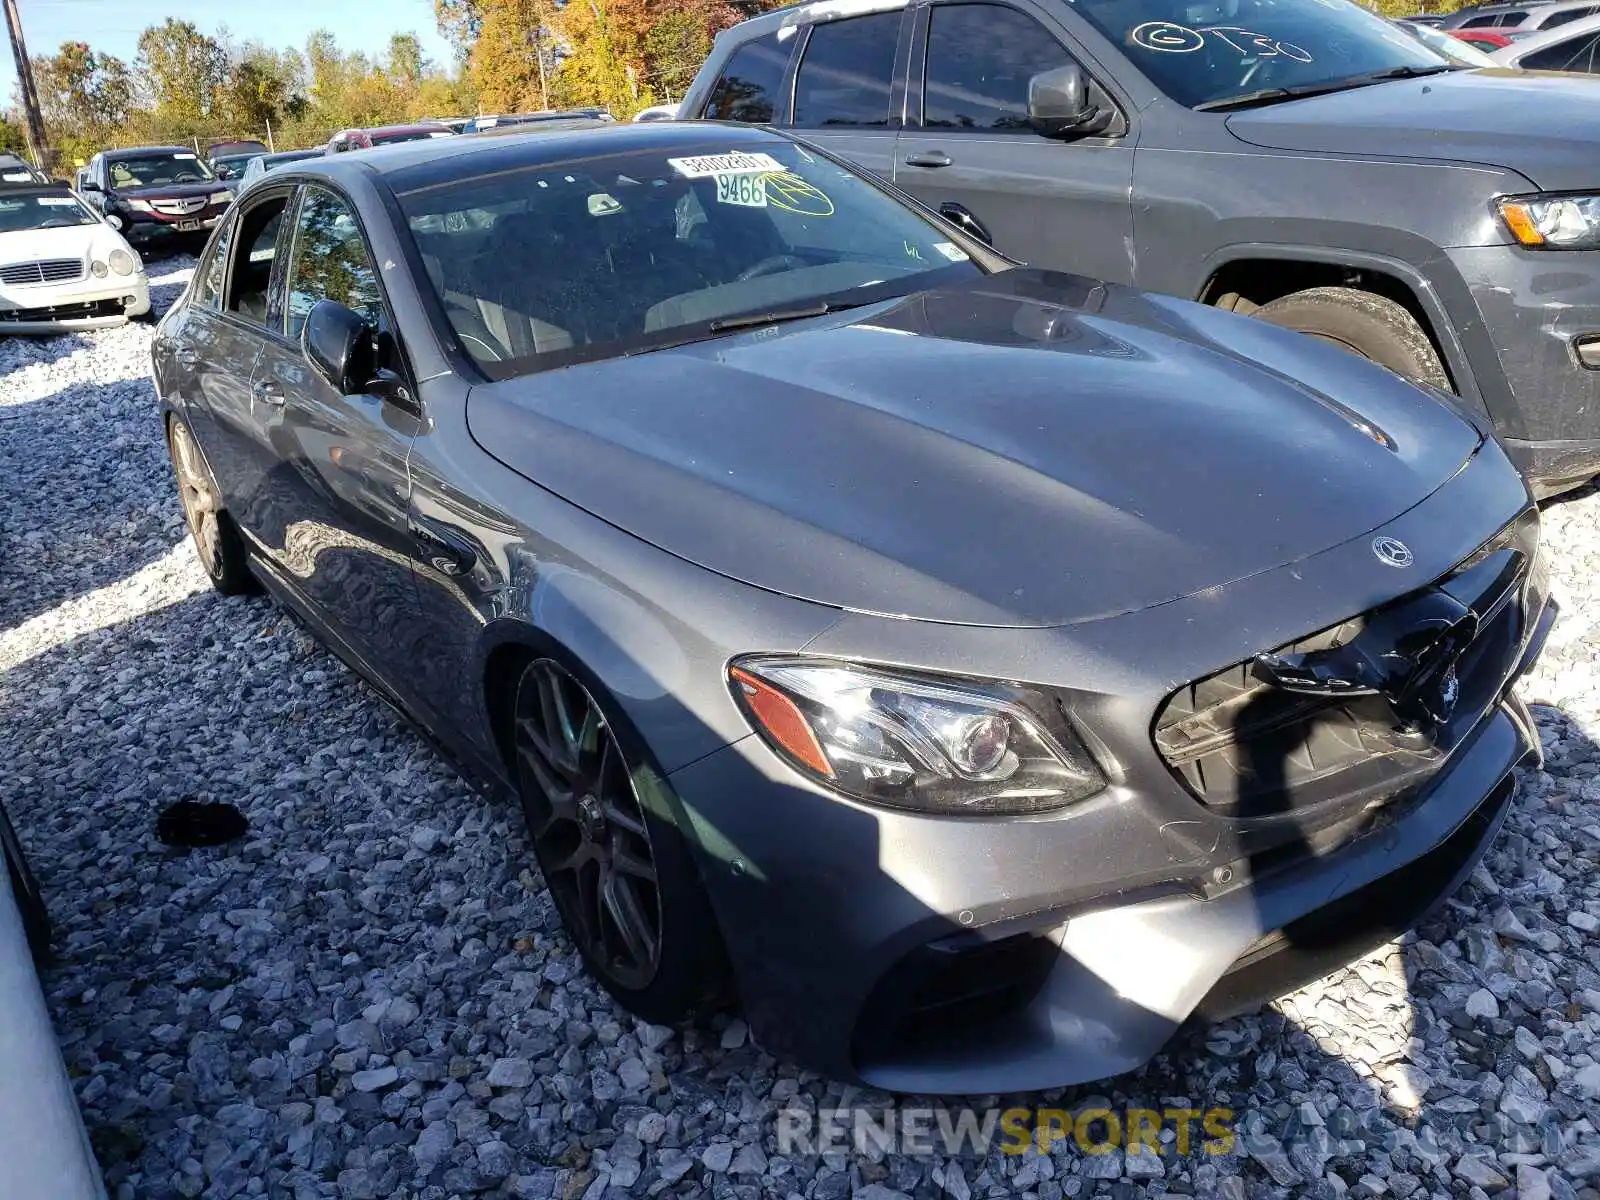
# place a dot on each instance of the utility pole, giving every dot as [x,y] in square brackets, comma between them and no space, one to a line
[37,145]
[536,36]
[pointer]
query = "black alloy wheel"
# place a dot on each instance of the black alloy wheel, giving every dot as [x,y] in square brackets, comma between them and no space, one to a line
[216,540]
[590,831]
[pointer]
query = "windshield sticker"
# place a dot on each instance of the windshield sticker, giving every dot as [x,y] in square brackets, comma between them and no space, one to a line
[602,204]
[58,202]
[952,251]
[1165,37]
[791,193]
[10,205]
[705,166]
[18,177]
[742,191]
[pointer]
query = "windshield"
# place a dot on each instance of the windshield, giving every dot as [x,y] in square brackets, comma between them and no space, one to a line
[232,166]
[157,169]
[1214,50]
[49,211]
[557,263]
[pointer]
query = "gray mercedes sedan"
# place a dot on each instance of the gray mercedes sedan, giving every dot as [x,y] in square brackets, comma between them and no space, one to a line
[971,671]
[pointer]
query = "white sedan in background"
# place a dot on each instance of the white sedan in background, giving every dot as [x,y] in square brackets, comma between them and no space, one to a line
[44,1151]
[1570,47]
[62,268]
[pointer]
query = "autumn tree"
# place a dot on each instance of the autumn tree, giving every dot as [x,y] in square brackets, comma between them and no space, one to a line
[459,24]
[182,70]
[85,96]
[512,41]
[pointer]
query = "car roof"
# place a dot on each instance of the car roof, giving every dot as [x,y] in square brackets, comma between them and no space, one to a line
[411,165]
[406,127]
[141,151]
[1524,46]
[807,13]
[34,187]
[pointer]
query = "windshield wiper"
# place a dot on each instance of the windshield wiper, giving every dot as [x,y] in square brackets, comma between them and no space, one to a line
[779,315]
[1273,95]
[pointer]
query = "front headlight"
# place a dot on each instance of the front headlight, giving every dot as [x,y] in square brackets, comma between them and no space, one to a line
[223,197]
[98,269]
[139,205]
[1554,222]
[121,261]
[916,742]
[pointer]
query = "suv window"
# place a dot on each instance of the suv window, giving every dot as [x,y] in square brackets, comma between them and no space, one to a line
[330,262]
[1573,54]
[847,71]
[750,84]
[980,60]
[208,280]
[257,249]
[1562,18]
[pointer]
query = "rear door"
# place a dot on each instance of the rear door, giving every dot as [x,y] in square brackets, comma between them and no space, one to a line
[968,149]
[344,485]
[228,347]
[849,87]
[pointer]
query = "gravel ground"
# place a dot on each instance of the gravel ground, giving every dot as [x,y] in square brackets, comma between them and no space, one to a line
[369,996]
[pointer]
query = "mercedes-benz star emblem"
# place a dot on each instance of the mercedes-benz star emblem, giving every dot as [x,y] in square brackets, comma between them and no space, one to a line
[1392,552]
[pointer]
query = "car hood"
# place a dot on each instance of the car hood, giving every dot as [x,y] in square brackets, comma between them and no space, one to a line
[176,191]
[1032,449]
[1464,116]
[72,241]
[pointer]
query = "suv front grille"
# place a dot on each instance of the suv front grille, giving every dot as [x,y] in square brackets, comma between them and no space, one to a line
[49,270]
[1247,747]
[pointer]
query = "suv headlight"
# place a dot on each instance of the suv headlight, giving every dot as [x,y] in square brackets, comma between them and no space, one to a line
[916,742]
[138,205]
[223,197]
[1553,222]
[121,261]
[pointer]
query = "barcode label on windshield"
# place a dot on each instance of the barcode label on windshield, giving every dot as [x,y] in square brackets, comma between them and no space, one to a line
[705,165]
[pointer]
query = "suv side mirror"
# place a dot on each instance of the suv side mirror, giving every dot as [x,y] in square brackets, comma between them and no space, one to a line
[1059,105]
[90,185]
[339,345]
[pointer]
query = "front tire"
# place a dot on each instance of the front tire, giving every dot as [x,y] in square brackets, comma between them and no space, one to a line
[1364,323]
[216,538]
[616,865]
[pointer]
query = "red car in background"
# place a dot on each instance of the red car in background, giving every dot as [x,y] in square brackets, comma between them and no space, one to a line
[1484,39]
[386,135]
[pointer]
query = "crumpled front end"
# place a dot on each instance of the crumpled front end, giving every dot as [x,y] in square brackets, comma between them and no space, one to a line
[1252,835]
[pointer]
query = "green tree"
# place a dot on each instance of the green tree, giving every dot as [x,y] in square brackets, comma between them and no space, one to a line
[407,66]
[459,22]
[85,97]
[13,138]
[184,71]
[505,65]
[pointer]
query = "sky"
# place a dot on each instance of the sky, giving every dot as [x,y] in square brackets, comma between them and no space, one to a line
[113,26]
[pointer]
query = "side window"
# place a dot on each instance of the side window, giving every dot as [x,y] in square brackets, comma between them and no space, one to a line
[1574,54]
[1488,22]
[330,262]
[847,71]
[981,58]
[255,251]
[209,278]
[749,87]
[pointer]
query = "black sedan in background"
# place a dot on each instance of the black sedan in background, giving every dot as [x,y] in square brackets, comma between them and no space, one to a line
[974,669]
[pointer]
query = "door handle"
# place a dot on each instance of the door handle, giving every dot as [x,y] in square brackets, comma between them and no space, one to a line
[928,158]
[187,356]
[959,215]
[268,391]
[444,549]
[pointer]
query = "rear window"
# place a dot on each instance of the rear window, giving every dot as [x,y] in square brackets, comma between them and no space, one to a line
[749,87]
[553,264]
[1573,54]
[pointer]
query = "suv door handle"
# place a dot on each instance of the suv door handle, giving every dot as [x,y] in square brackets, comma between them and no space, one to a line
[928,158]
[268,391]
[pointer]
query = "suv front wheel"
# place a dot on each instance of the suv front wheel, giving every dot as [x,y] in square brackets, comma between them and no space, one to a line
[1363,323]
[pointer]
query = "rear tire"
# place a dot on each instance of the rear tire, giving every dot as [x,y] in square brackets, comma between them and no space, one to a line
[26,891]
[618,868]
[1364,323]
[217,539]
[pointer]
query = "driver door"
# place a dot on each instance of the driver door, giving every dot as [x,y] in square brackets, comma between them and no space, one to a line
[968,151]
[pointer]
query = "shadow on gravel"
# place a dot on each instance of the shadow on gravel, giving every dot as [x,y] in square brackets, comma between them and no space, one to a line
[299,1007]
[78,508]
[18,351]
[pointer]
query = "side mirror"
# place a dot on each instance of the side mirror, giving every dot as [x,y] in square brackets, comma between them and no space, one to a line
[339,345]
[90,185]
[1059,105]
